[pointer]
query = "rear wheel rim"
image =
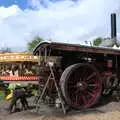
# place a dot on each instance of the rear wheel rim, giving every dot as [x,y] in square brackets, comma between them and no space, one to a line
[82,86]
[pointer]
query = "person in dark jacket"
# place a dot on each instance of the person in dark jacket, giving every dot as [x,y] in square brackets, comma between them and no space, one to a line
[18,94]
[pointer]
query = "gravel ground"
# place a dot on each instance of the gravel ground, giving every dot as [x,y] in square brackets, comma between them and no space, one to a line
[105,110]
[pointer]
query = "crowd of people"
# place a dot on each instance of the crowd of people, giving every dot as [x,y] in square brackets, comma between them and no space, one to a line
[15,71]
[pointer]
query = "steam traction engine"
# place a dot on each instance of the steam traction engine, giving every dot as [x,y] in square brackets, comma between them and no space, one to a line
[82,73]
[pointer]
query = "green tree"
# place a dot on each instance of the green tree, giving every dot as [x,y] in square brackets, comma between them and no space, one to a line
[31,45]
[97,41]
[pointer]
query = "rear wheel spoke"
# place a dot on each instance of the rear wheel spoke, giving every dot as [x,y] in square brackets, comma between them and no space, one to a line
[76,99]
[91,94]
[92,85]
[84,99]
[90,76]
[84,86]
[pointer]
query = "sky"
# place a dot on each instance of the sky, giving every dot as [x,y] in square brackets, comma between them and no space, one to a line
[71,21]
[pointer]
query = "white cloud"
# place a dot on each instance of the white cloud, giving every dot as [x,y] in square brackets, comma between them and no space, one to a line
[64,21]
[6,12]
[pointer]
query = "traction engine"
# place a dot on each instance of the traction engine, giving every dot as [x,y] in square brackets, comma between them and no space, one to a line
[82,74]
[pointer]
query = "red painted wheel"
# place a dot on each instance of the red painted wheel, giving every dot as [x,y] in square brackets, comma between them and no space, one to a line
[81,85]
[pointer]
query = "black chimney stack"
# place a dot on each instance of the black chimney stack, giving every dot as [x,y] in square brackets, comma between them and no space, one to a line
[113,27]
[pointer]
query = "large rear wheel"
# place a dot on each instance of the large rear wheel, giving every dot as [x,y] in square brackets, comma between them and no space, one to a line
[81,85]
